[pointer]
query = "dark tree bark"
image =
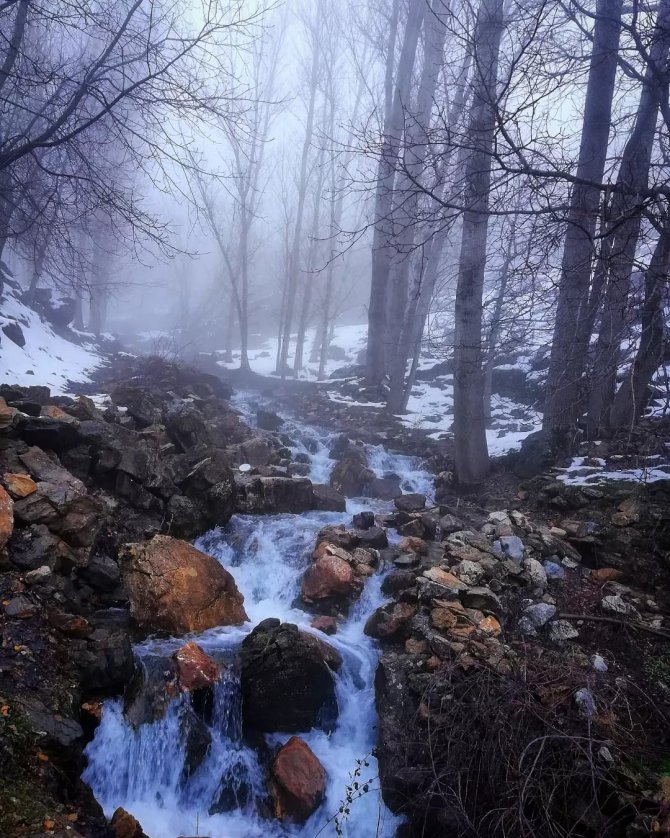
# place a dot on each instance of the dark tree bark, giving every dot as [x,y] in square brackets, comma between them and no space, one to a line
[630,398]
[382,241]
[570,341]
[469,421]
[626,212]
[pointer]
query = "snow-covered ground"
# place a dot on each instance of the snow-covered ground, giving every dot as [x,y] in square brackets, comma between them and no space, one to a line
[431,403]
[587,472]
[46,359]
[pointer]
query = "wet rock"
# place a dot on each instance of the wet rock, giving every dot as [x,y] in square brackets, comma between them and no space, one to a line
[268,421]
[328,499]
[324,623]
[329,577]
[287,683]
[272,495]
[195,669]
[364,520]
[390,621]
[124,825]
[197,740]
[411,502]
[398,580]
[6,518]
[351,476]
[373,537]
[297,781]
[174,587]
[383,488]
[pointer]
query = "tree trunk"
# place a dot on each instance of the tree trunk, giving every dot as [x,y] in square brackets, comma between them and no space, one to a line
[382,240]
[495,327]
[570,341]
[294,264]
[630,397]
[627,207]
[469,422]
[416,148]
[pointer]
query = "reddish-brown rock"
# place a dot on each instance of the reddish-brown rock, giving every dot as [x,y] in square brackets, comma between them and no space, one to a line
[412,544]
[124,825]
[6,517]
[328,625]
[606,574]
[174,587]
[297,781]
[328,577]
[195,669]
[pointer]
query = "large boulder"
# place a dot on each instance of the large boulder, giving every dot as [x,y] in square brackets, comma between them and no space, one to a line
[287,679]
[351,476]
[271,495]
[174,587]
[329,577]
[327,499]
[297,781]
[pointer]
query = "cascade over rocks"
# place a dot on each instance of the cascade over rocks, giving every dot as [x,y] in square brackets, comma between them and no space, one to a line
[174,587]
[287,679]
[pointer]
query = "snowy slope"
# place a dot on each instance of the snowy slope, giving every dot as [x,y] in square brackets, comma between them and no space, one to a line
[430,406]
[46,358]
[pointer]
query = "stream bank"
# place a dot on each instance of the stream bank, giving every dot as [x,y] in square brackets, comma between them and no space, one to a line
[467,605]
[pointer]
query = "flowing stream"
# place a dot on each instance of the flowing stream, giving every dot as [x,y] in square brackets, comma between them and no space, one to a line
[144,769]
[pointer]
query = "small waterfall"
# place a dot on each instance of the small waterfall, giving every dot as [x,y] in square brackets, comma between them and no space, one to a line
[145,769]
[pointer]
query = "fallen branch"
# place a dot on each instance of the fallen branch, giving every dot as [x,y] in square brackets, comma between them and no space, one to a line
[617,622]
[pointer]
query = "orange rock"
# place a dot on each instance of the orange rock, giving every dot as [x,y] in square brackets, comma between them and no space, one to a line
[124,825]
[412,544]
[6,517]
[19,485]
[174,587]
[297,781]
[51,411]
[327,577]
[195,669]
[7,414]
[444,577]
[606,574]
[489,625]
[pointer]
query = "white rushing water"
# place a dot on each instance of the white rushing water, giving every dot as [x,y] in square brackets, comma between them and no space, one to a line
[143,770]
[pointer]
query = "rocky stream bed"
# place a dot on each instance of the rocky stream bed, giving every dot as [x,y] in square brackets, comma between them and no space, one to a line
[221,621]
